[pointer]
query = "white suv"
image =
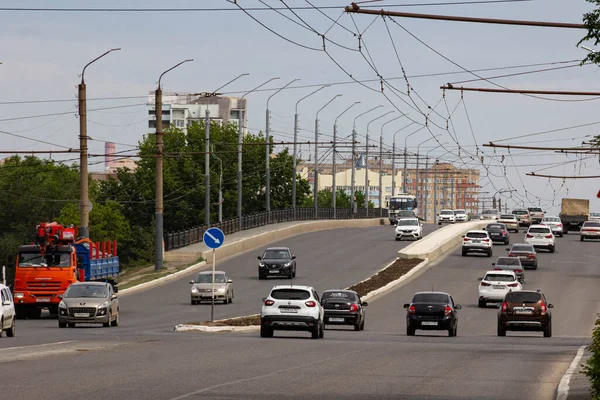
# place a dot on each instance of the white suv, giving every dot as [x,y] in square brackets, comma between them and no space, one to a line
[477,241]
[7,312]
[292,308]
[460,215]
[446,216]
[541,236]
[494,286]
[409,228]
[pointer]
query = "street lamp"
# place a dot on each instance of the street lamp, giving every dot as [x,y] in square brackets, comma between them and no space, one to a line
[367,161]
[334,171]
[353,161]
[427,181]
[316,171]
[381,165]
[240,143]
[499,203]
[268,152]
[394,157]
[84,228]
[417,174]
[294,161]
[405,155]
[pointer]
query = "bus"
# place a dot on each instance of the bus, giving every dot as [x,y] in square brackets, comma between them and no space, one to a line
[399,205]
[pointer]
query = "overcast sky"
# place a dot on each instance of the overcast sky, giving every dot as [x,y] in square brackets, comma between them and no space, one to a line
[43,53]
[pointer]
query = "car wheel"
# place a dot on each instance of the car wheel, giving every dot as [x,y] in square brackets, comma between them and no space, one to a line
[62,324]
[501,330]
[548,330]
[107,324]
[552,249]
[71,324]
[357,325]
[362,324]
[410,331]
[261,276]
[489,254]
[439,223]
[397,239]
[535,266]
[464,253]
[266,332]
[294,272]
[115,322]
[581,238]
[316,332]
[322,331]
[482,303]
[230,299]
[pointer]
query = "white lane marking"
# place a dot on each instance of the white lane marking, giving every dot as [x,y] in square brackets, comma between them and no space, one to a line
[563,386]
[183,396]
[37,345]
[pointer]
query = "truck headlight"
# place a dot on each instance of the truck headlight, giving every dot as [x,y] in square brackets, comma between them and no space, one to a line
[19,295]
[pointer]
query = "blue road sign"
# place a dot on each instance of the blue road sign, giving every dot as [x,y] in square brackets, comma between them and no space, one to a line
[214,238]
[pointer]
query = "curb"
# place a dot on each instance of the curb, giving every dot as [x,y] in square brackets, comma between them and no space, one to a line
[161,281]
[254,328]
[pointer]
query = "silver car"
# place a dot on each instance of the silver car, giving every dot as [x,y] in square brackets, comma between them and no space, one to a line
[202,287]
[490,214]
[89,303]
[555,224]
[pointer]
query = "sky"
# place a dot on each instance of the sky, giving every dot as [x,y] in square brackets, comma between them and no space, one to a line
[43,53]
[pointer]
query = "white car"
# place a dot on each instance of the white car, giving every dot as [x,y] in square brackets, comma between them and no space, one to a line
[409,228]
[477,241]
[7,312]
[494,286]
[446,216]
[555,224]
[460,216]
[292,308]
[511,222]
[490,214]
[541,237]
[590,230]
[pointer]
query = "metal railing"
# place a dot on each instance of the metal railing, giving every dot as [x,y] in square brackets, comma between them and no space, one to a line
[186,237]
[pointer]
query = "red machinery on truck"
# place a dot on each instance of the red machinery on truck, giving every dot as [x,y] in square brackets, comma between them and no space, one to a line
[45,269]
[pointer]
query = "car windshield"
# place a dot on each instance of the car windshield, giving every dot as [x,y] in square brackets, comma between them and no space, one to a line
[431,298]
[276,255]
[539,230]
[592,224]
[495,227]
[82,290]
[405,213]
[535,209]
[446,212]
[402,203]
[499,278]
[523,297]
[49,260]
[206,278]
[522,248]
[477,235]
[345,296]
[290,294]
[519,212]
[508,261]
[460,212]
[507,216]
[489,212]
[408,222]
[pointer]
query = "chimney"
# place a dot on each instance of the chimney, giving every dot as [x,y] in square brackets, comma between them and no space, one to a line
[109,154]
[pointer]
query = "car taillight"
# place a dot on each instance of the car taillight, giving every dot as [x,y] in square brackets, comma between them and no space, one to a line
[504,233]
[504,308]
[412,310]
[529,236]
[354,307]
[486,240]
[558,224]
[466,239]
[518,271]
[447,310]
[269,302]
[511,255]
[530,255]
[486,284]
[310,304]
[526,215]
[548,236]
[497,269]
[512,285]
[544,308]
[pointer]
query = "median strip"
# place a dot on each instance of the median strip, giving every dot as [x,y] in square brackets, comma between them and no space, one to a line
[382,281]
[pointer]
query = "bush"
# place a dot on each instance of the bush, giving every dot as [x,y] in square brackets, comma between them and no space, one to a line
[592,369]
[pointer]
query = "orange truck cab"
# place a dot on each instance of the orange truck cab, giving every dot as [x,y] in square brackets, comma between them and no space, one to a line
[44,270]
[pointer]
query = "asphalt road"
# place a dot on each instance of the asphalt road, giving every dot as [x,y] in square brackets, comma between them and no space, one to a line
[378,363]
[326,259]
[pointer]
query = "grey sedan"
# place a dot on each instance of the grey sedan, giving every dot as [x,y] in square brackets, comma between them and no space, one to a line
[202,287]
[89,303]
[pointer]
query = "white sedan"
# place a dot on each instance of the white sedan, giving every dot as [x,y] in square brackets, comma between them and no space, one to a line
[410,228]
[494,286]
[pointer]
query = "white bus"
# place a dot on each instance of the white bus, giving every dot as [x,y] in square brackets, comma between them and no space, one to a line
[400,206]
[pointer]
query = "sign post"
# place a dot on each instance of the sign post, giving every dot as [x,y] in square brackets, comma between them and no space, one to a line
[213,239]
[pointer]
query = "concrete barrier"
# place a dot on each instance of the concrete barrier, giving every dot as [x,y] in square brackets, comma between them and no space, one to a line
[264,238]
[440,241]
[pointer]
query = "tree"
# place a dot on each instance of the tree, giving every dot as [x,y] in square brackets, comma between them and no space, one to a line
[342,199]
[591,20]
[360,200]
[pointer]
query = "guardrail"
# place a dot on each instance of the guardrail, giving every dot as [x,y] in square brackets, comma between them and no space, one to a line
[176,240]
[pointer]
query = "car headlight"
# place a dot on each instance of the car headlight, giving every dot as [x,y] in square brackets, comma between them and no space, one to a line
[62,305]
[102,309]
[194,289]
[222,289]
[19,295]
[261,264]
[287,264]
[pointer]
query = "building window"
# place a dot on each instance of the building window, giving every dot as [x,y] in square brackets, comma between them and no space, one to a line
[179,123]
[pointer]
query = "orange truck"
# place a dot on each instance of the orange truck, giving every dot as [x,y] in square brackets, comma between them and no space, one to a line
[45,269]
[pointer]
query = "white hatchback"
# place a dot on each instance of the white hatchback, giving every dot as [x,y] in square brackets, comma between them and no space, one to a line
[446,216]
[460,215]
[7,312]
[541,237]
[410,228]
[477,241]
[494,286]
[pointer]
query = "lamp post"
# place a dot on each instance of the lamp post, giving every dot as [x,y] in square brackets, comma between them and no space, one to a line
[367,161]
[405,155]
[381,165]
[240,144]
[427,178]
[84,212]
[294,161]
[268,152]
[353,161]
[505,190]
[417,192]
[334,170]
[158,219]
[394,157]
[316,172]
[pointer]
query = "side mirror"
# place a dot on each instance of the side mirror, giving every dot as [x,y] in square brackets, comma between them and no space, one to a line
[493,264]
[113,297]
[259,257]
[191,282]
[406,305]
[479,279]
[507,249]
[60,296]
[550,305]
[230,281]
[463,236]
[116,288]
[293,257]
[264,299]
[458,307]
[364,304]
[483,229]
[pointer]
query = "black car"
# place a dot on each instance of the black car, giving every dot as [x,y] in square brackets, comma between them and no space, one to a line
[498,233]
[277,261]
[344,307]
[432,311]
[526,253]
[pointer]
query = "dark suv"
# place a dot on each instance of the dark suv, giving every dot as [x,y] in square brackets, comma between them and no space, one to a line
[525,310]
[277,261]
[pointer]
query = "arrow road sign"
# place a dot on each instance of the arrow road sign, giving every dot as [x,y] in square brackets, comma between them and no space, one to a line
[214,238]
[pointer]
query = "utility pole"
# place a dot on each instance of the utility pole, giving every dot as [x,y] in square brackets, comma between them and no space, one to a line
[394,158]
[381,165]
[207,168]
[158,217]
[334,164]
[404,173]
[435,190]
[84,211]
[367,162]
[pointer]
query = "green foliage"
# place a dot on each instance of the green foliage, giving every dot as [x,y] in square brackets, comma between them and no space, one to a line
[591,21]
[592,369]
[342,200]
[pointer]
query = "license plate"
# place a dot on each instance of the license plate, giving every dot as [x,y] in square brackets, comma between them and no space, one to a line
[498,287]
[81,315]
[273,272]
[429,323]
[289,310]
[476,241]
[523,312]
[336,319]
[42,300]
[495,234]
[539,236]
